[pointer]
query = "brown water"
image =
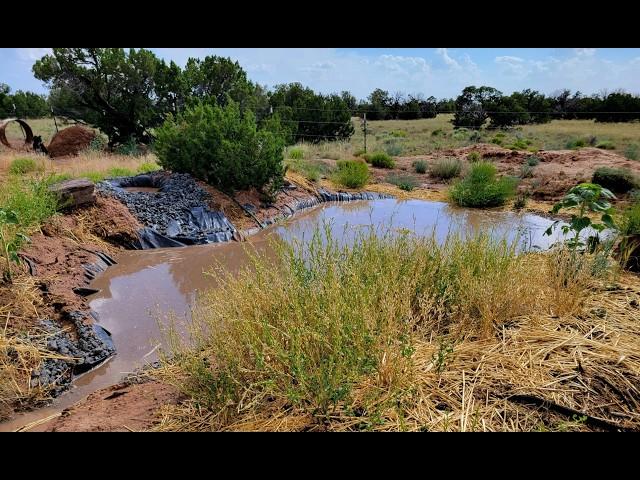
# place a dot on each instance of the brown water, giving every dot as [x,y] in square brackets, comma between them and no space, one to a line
[142,189]
[147,288]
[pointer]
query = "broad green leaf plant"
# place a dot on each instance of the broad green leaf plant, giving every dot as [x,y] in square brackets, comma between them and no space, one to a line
[586,197]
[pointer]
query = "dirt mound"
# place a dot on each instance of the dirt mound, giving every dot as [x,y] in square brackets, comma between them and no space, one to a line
[70,141]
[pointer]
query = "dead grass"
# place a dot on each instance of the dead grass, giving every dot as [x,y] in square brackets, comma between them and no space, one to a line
[403,334]
[22,345]
[89,164]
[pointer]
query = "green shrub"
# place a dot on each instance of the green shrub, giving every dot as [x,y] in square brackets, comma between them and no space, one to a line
[30,199]
[95,177]
[482,188]
[630,224]
[130,148]
[475,136]
[147,167]
[497,140]
[632,152]
[520,201]
[526,171]
[223,147]
[57,178]
[351,173]
[399,133]
[311,171]
[420,166]
[445,168]
[437,132]
[20,166]
[393,149]
[381,160]
[576,143]
[474,157]
[295,153]
[120,172]
[606,145]
[519,144]
[532,160]
[617,180]
[98,144]
[403,182]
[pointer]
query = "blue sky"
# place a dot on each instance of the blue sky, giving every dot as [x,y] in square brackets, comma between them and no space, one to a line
[441,72]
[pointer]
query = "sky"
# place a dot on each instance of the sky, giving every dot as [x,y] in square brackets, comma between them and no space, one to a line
[441,72]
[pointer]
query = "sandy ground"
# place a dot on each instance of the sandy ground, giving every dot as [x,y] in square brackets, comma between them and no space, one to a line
[119,408]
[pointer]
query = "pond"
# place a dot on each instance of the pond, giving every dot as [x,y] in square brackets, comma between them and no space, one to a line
[148,287]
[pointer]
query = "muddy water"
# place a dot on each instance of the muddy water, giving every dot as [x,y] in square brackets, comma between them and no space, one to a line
[142,189]
[149,288]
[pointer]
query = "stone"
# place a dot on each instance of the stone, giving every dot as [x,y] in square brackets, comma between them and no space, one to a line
[74,193]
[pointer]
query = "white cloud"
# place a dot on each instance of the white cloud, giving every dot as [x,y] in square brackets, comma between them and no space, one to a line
[450,62]
[32,54]
[585,52]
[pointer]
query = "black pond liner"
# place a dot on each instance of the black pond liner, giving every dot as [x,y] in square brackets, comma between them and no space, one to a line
[174,216]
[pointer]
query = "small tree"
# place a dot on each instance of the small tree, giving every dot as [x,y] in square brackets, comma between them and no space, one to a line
[587,197]
[223,147]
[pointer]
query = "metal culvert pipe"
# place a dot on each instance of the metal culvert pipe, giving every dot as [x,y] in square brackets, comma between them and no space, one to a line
[27,130]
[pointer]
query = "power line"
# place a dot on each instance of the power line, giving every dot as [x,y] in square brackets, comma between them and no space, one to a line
[551,112]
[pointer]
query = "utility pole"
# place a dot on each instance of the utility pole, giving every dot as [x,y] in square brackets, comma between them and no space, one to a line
[365,132]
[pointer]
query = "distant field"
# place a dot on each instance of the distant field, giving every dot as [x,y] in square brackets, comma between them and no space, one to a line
[418,137]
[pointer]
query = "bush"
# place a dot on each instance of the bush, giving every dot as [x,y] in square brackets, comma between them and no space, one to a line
[631,220]
[311,171]
[351,173]
[223,147]
[632,152]
[526,171]
[437,132]
[403,182]
[445,168]
[532,161]
[30,199]
[98,144]
[581,142]
[420,166]
[295,153]
[481,187]
[617,180]
[381,160]
[130,148]
[393,149]
[147,167]
[606,145]
[474,157]
[399,133]
[520,202]
[497,140]
[20,166]
[519,144]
